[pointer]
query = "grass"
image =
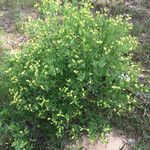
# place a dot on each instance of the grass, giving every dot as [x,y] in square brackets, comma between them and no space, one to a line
[1,42]
[18,3]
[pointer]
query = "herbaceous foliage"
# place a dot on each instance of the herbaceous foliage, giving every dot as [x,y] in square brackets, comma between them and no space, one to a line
[72,78]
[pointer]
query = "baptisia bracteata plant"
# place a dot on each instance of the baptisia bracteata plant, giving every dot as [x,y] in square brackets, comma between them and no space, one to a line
[73,77]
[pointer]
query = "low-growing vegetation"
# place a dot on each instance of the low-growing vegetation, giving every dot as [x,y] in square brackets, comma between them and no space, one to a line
[17,3]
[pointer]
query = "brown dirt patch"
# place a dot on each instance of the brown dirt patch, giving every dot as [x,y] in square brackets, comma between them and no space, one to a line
[116,141]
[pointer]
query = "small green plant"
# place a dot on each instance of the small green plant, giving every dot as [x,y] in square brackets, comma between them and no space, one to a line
[72,78]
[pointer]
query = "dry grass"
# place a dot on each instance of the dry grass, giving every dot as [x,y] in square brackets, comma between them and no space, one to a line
[17,3]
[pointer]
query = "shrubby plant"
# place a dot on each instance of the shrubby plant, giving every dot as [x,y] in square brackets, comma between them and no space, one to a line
[72,78]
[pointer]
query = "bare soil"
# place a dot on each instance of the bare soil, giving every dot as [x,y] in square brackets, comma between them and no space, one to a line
[13,39]
[116,141]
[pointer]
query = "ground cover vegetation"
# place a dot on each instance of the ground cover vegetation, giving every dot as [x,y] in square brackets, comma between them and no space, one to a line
[17,3]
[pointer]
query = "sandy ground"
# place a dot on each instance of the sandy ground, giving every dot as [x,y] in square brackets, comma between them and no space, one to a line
[13,39]
[115,142]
